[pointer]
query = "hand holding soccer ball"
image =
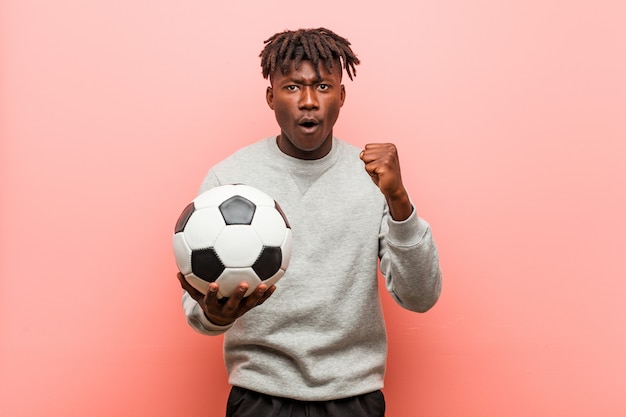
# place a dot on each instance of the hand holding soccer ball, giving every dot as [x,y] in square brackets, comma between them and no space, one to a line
[224,313]
[228,239]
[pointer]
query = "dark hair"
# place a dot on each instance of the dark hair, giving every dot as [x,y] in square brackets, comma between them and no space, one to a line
[315,45]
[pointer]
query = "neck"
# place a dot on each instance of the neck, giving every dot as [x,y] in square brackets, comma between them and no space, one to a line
[288,148]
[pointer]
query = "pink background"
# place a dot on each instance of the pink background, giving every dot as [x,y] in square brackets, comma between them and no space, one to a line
[510,120]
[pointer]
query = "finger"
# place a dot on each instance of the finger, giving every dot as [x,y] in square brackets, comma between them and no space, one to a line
[234,301]
[381,153]
[267,294]
[369,157]
[374,166]
[367,151]
[211,295]
[258,296]
[379,146]
[381,150]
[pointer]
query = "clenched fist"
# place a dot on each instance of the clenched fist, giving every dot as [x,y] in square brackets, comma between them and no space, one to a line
[383,166]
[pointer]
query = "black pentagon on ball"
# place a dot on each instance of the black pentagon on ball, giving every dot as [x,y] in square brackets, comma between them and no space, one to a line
[184,217]
[268,262]
[237,210]
[206,265]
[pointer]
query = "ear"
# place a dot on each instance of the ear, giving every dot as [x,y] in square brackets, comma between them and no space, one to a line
[269,97]
[343,94]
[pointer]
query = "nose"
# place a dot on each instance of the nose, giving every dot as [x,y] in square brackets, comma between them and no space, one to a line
[308,98]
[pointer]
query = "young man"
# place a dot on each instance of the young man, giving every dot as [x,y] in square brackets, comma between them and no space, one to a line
[315,345]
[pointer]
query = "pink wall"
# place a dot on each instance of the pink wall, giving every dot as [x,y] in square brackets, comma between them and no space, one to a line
[510,120]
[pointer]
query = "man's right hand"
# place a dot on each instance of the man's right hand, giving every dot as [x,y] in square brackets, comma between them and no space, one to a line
[223,313]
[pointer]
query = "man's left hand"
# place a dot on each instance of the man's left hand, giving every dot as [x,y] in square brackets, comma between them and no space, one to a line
[383,166]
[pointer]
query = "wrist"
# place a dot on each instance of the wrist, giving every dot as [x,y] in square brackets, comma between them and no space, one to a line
[218,322]
[400,207]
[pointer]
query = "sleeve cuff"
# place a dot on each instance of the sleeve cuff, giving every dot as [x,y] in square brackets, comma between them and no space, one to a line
[196,318]
[207,324]
[408,232]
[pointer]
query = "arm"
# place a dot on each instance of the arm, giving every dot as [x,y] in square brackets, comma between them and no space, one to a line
[408,254]
[410,263]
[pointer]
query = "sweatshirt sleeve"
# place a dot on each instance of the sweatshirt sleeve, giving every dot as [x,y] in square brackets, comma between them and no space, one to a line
[197,320]
[409,261]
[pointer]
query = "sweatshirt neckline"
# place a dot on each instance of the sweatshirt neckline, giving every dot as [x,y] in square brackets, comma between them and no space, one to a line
[312,166]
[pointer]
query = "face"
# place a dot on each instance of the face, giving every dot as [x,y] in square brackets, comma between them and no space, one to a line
[306,108]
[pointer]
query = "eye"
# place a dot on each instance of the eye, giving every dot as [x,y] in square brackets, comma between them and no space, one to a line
[291,87]
[323,87]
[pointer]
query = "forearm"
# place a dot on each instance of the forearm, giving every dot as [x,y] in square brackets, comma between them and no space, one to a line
[410,263]
[400,207]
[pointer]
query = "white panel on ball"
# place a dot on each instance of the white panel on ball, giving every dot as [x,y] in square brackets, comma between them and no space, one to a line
[238,246]
[286,250]
[232,277]
[214,196]
[183,262]
[199,284]
[203,227]
[270,226]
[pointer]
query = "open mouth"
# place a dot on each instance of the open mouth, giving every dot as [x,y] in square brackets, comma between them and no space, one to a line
[308,123]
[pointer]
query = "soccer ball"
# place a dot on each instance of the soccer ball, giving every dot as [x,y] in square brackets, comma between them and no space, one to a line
[231,234]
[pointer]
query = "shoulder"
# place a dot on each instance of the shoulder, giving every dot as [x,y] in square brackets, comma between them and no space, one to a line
[240,166]
[349,157]
[253,150]
[347,148]
[248,155]
[353,173]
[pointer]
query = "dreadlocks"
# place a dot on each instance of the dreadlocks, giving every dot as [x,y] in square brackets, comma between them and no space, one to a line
[313,45]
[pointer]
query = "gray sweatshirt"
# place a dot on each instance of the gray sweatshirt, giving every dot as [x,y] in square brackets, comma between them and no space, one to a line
[321,335]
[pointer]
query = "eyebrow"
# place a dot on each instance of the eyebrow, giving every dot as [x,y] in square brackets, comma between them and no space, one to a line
[300,80]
